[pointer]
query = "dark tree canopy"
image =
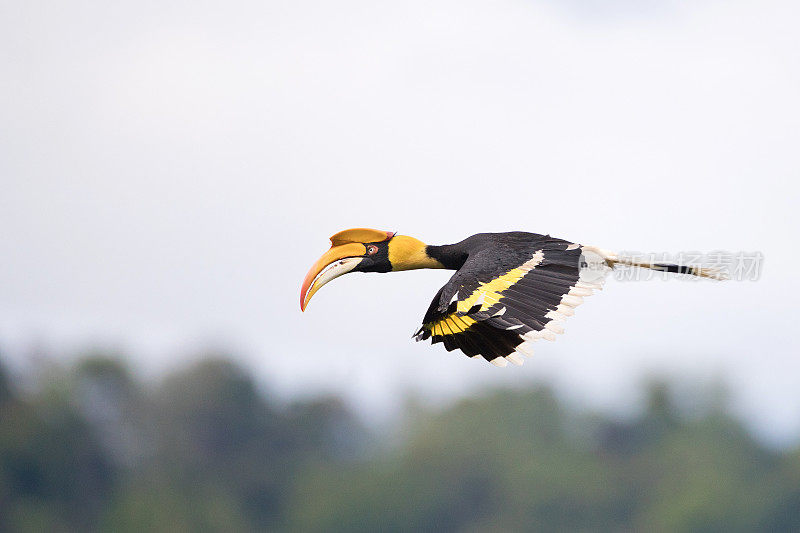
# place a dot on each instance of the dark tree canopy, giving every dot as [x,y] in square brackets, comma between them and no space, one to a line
[93,448]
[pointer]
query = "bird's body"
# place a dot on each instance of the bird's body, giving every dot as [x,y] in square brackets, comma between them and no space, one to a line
[510,285]
[509,289]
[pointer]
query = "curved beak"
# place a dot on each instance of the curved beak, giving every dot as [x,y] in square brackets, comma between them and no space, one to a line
[333,263]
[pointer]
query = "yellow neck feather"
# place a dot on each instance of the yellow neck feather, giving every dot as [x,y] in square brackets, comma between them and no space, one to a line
[408,253]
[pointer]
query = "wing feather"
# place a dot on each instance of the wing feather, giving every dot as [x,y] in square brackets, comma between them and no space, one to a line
[497,306]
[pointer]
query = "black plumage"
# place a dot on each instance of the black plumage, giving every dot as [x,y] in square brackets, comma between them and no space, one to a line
[509,289]
[524,278]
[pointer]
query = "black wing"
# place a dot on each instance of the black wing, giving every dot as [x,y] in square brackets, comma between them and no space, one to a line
[506,295]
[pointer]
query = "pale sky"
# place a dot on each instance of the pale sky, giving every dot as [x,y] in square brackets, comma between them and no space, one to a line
[170,171]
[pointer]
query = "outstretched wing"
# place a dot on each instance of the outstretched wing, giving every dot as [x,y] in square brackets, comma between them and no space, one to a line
[503,299]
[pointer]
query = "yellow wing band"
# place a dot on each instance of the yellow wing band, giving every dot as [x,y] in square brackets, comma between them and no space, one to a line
[491,292]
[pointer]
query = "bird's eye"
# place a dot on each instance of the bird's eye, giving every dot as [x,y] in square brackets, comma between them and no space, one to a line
[372,249]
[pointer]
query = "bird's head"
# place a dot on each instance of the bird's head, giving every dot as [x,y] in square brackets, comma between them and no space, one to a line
[364,250]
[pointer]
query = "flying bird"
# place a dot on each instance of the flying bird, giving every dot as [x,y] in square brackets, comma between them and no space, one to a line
[509,289]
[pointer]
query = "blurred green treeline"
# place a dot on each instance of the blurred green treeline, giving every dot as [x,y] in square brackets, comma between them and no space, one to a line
[91,448]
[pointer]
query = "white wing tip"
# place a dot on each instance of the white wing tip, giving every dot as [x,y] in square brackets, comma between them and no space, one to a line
[515,358]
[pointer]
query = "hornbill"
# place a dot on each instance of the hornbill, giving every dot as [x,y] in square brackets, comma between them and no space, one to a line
[509,289]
